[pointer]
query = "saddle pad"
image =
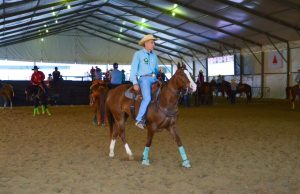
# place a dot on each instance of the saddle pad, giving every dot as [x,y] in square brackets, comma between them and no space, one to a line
[129,94]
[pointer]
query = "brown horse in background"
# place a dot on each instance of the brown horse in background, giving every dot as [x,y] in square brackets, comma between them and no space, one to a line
[98,94]
[7,93]
[204,93]
[241,89]
[160,115]
[246,89]
[291,94]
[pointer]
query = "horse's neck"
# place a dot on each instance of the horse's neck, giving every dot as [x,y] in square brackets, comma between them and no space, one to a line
[169,96]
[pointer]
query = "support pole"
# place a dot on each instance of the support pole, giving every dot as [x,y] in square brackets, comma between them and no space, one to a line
[262,73]
[288,65]
[241,67]
[206,70]
[194,70]
[262,65]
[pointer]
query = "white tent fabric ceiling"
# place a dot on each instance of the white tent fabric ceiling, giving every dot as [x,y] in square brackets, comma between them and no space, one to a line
[185,27]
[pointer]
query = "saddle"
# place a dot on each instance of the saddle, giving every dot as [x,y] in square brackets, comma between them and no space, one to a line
[137,96]
[134,95]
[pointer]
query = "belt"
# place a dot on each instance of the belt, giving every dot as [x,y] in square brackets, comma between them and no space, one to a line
[148,75]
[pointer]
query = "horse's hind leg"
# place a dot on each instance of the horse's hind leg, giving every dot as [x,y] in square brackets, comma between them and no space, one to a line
[121,126]
[36,108]
[45,109]
[145,160]
[113,139]
[11,103]
[185,161]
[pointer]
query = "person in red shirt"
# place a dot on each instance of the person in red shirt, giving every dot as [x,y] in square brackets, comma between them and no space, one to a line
[37,79]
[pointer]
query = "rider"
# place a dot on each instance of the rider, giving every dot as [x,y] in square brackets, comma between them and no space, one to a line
[98,73]
[115,77]
[200,79]
[56,74]
[145,66]
[37,79]
[219,82]
[161,76]
[123,76]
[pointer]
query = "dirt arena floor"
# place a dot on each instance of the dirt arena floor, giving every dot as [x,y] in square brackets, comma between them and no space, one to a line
[235,149]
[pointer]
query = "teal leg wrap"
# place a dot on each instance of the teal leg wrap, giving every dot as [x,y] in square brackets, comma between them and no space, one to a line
[182,153]
[186,162]
[145,157]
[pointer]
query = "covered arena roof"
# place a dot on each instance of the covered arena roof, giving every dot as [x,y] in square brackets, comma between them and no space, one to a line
[185,27]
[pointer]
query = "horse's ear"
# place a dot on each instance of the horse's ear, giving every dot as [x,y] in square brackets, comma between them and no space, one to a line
[181,66]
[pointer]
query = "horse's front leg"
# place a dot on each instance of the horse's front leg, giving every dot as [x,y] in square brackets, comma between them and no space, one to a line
[36,107]
[185,162]
[5,103]
[11,103]
[150,135]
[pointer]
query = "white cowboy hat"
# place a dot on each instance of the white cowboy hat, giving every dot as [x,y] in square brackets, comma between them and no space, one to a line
[146,38]
[201,71]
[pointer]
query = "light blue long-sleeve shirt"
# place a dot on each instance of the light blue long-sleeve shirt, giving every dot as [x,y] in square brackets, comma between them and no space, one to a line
[143,63]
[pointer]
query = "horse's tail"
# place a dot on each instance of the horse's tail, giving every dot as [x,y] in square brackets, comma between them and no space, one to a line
[250,92]
[12,90]
[102,107]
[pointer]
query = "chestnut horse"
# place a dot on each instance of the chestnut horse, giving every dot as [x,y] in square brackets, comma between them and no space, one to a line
[204,93]
[98,94]
[7,92]
[161,115]
[291,94]
[37,95]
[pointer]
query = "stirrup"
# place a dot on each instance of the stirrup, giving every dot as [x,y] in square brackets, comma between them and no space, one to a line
[140,124]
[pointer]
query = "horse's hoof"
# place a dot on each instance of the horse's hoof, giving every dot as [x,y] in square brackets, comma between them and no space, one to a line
[111,155]
[146,162]
[131,157]
[186,164]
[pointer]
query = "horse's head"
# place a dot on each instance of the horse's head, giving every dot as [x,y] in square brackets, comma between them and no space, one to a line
[184,80]
[28,93]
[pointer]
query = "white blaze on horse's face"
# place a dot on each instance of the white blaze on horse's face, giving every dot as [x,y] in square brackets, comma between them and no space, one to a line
[192,86]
